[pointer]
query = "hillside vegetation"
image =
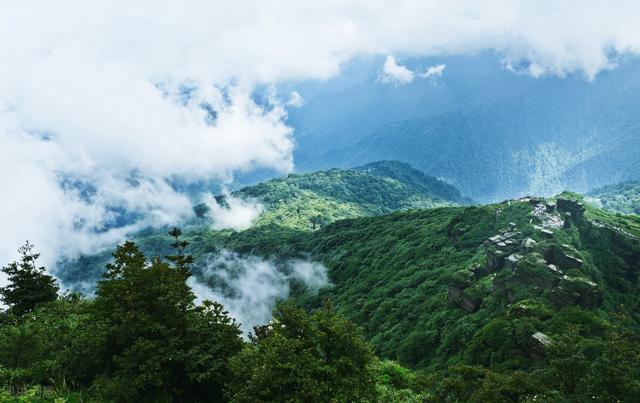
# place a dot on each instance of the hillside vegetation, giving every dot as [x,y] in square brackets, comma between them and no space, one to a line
[623,198]
[492,134]
[305,202]
[312,200]
[438,287]
[526,300]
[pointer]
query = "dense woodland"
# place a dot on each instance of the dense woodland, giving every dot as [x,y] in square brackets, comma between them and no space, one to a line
[526,300]
[142,338]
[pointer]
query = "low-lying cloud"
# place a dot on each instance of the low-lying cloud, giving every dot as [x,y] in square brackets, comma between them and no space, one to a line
[249,287]
[394,73]
[235,213]
[434,71]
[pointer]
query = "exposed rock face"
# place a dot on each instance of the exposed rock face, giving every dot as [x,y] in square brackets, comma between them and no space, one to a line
[498,247]
[469,304]
[576,291]
[547,216]
[571,206]
[550,207]
[527,268]
[562,257]
[542,339]
[456,295]
[539,343]
[554,268]
[512,260]
[527,245]
[478,271]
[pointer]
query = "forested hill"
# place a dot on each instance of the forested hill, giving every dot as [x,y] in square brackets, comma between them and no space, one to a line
[312,200]
[526,300]
[303,202]
[489,285]
[621,198]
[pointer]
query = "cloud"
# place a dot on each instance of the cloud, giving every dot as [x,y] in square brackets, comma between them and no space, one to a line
[235,213]
[295,100]
[104,104]
[434,71]
[394,73]
[250,287]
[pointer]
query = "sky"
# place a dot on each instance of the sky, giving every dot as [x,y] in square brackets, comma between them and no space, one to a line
[105,104]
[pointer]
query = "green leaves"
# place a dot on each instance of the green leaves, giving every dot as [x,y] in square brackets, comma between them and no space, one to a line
[28,285]
[301,357]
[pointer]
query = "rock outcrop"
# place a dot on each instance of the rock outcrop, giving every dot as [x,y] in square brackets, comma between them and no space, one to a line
[527,268]
[575,208]
[576,291]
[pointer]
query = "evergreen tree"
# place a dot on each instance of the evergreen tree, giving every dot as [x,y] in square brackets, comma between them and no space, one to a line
[146,339]
[29,285]
[301,357]
[181,260]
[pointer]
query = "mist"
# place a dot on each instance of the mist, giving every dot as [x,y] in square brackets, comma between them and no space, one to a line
[249,287]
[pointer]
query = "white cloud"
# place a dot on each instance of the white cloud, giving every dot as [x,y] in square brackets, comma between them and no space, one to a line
[100,91]
[295,100]
[237,214]
[395,73]
[434,71]
[250,287]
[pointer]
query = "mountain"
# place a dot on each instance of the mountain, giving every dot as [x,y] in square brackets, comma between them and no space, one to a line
[623,198]
[299,201]
[318,198]
[492,133]
[488,285]
[484,285]
[498,297]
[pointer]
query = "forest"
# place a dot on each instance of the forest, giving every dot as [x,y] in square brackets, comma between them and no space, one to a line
[421,308]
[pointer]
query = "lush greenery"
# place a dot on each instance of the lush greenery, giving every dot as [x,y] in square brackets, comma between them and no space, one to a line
[313,200]
[303,202]
[525,300]
[143,338]
[391,275]
[622,198]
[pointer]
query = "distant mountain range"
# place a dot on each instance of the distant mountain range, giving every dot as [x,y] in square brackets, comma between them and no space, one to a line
[492,133]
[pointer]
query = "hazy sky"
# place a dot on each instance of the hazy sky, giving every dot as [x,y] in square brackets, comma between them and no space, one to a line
[102,101]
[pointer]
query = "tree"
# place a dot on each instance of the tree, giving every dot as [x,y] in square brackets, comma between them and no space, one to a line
[29,285]
[301,357]
[147,340]
[36,345]
[181,260]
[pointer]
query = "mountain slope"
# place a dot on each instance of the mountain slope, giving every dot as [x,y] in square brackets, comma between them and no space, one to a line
[311,200]
[490,285]
[622,198]
[480,285]
[303,202]
[538,137]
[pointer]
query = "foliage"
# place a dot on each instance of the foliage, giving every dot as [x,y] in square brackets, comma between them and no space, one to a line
[301,357]
[420,285]
[312,200]
[29,285]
